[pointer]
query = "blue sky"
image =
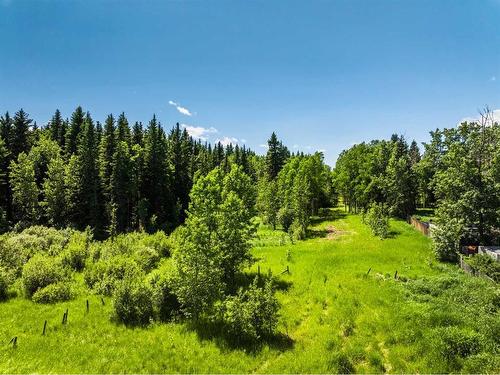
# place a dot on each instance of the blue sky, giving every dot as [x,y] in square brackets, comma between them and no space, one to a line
[322,74]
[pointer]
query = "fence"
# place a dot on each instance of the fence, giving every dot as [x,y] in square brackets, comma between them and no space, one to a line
[421,226]
[469,269]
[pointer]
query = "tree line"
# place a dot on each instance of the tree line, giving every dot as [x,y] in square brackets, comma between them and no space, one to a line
[458,174]
[112,177]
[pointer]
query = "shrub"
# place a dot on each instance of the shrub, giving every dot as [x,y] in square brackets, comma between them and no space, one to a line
[285,218]
[446,239]
[41,271]
[57,292]
[486,265]
[297,231]
[76,252]
[378,220]
[162,282]
[132,302]
[160,242]
[147,258]
[103,275]
[458,342]
[4,284]
[252,313]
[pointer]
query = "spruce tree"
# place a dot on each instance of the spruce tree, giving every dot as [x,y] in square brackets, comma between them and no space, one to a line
[20,137]
[74,131]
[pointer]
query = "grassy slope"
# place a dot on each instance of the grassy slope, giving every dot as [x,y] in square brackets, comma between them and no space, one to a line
[329,307]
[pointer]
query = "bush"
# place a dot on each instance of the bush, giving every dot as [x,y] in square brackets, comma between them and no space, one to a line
[162,282]
[41,271]
[160,242]
[147,258]
[458,342]
[378,220]
[4,284]
[446,239]
[57,292]
[285,218]
[103,275]
[486,265]
[133,303]
[252,313]
[76,252]
[297,231]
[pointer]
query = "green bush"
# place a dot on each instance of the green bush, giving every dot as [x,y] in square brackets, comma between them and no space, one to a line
[486,265]
[160,242]
[378,220]
[147,258]
[162,282]
[132,302]
[41,271]
[103,275]
[251,314]
[57,292]
[285,218]
[446,239]
[4,284]
[457,342]
[75,253]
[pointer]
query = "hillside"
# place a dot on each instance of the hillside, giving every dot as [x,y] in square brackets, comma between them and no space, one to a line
[342,310]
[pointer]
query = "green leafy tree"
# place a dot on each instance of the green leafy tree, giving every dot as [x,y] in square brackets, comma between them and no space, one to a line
[54,188]
[25,190]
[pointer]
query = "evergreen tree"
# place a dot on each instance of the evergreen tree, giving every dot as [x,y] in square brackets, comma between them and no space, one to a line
[19,141]
[275,157]
[74,131]
[55,128]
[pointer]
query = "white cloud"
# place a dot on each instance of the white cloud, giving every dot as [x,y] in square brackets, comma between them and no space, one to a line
[493,78]
[243,140]
[199,131]
[495,116]
[295,146]
[225,141]
[263,145]
[181,109]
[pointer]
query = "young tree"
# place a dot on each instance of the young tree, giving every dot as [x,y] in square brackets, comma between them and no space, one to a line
[54,188]
[24,189]
[276,156]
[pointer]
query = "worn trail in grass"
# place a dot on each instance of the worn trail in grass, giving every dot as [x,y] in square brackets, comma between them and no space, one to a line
[338,317]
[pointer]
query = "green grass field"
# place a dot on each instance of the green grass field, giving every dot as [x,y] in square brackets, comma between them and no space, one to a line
[335,316]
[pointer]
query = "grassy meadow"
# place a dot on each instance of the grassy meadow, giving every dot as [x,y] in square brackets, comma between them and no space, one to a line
[343,309]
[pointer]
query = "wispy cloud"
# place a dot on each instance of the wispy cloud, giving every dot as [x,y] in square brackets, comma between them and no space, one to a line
[493,78]
[199,131]
[225,141]
[264,145]
[181,109]
[495,117]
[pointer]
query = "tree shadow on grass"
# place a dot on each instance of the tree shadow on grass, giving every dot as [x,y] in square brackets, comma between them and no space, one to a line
[244,280]
[328,215]
[217,332]
[393,233]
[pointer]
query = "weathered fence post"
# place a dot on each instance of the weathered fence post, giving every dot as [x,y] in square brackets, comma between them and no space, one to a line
[87,306]
[44,328]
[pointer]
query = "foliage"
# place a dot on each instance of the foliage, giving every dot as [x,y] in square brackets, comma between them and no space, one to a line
[377,220]
[446,237]
[250,314]
[104,276]
[486,265]
[4,284]
[132,302]
[39,272]
[57,292]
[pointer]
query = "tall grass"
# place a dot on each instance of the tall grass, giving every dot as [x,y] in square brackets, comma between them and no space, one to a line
[342,310]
